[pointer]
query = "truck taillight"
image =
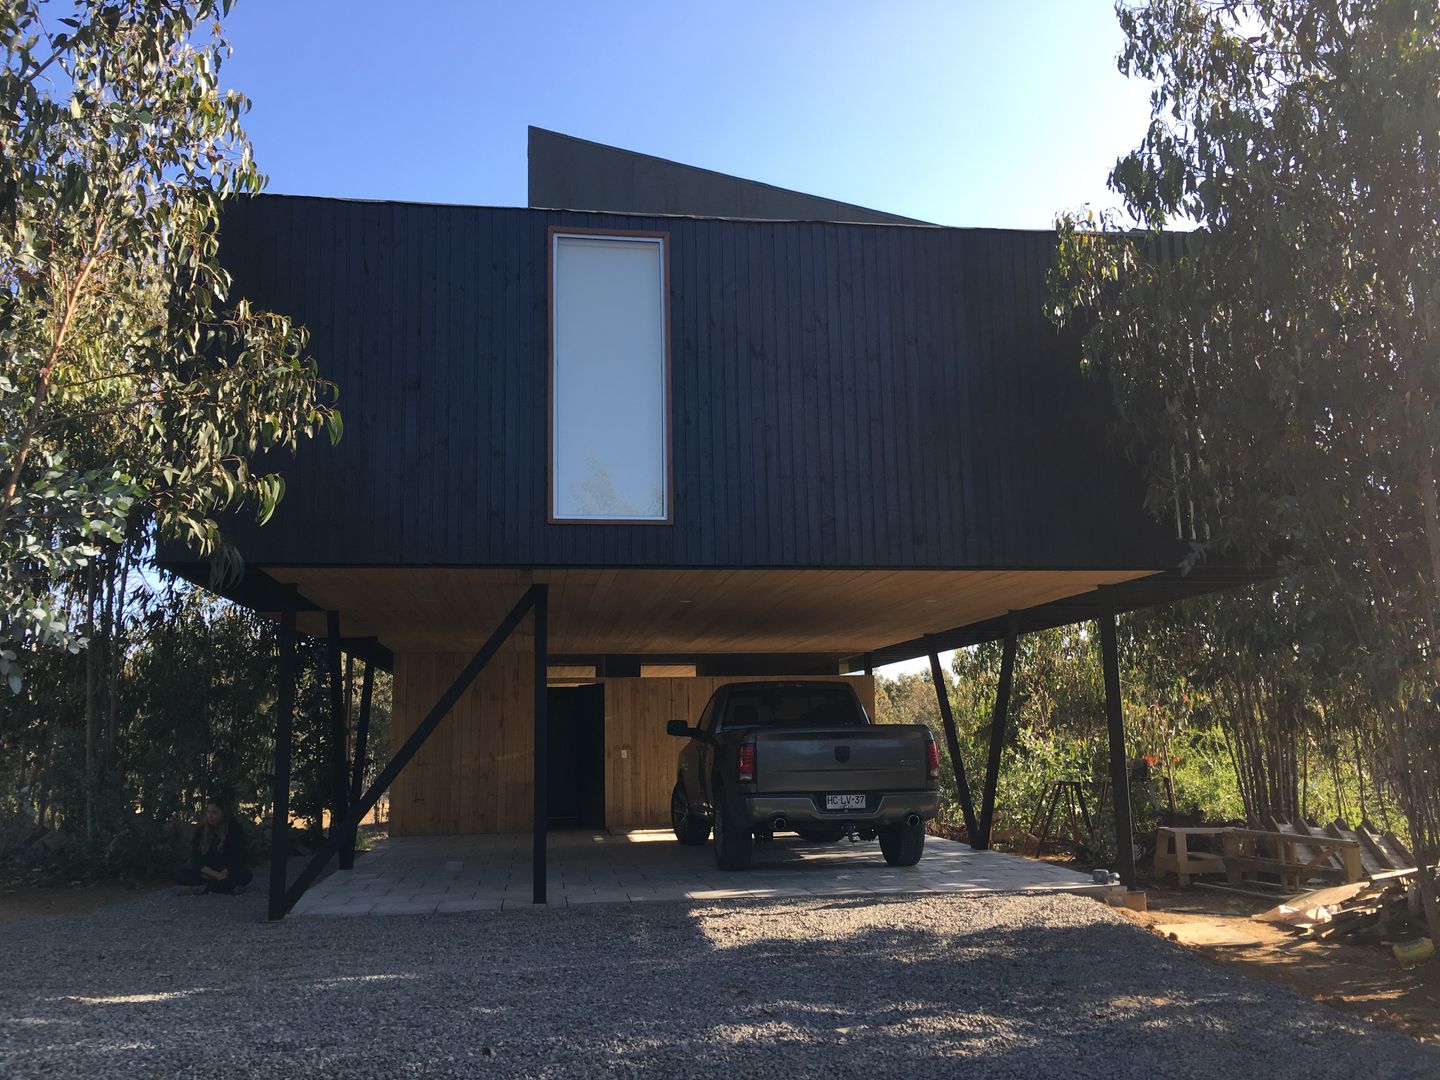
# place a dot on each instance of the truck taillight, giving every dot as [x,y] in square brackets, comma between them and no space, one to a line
[932,755]
[747,763]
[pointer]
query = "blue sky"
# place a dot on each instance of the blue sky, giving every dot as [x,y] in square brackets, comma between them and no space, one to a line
[971,112]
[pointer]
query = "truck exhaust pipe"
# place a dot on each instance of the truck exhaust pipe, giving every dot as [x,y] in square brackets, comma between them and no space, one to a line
[779,824]
[913,821]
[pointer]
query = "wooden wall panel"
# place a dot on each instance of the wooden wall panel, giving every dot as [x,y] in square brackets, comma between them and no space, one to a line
[679,613]
[475,774]
[640,757]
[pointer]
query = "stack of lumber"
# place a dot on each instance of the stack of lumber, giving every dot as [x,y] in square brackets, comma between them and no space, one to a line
[1382,911]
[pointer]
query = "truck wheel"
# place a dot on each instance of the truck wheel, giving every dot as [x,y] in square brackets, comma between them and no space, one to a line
[902,844]
[734,843]
[822,834]
[690,829]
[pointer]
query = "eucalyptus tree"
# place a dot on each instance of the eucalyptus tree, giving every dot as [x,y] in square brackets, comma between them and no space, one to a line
[1278,369]
[134,388]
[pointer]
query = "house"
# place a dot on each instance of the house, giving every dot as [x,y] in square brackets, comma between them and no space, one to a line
[683,428]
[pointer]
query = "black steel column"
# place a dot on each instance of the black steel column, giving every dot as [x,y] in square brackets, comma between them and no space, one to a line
[339,733]
[997,730]
[362,738]
[284,719]
[962,786]
[869,665]
[1119,760]
[541,821]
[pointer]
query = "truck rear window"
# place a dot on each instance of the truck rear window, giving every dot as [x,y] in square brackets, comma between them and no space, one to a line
[790,706]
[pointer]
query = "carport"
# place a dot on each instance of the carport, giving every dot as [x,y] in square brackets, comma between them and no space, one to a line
[511,674]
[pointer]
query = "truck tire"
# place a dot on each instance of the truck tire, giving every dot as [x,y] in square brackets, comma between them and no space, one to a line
[690,829]
[734,844]
[821,834]
[903,844]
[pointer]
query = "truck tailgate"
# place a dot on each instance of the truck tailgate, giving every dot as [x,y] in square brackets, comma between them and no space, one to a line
[883,757]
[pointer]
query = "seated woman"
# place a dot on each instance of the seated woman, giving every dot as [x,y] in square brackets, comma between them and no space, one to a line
[219,862]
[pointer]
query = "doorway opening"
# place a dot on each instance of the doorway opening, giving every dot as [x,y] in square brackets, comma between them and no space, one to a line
[577,756]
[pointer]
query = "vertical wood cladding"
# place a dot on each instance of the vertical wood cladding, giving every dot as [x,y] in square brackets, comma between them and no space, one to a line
[640,757]
[842,396]
[475,773]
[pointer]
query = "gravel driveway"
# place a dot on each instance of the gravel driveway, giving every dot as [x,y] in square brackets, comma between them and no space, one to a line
[1007,986]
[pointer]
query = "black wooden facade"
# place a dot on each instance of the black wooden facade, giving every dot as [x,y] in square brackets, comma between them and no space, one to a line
[843,395]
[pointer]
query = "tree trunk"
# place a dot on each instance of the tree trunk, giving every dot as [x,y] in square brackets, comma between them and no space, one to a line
[1305,776]
[1359,772]
[42,775]
[1335,777]
[90,707]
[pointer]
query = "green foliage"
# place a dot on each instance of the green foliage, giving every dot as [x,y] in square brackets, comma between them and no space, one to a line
[1179,724]
[198,700]
[1278,369]
[1205,785]
[134,390]
[192,717]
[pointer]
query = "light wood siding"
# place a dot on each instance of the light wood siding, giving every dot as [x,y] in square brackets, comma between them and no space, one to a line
[677,612]
[474,775]
[637,786]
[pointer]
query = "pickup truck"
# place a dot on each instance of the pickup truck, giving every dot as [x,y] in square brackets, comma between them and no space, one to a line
[770,757]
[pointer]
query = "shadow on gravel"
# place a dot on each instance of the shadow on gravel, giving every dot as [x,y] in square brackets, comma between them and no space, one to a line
[936,986]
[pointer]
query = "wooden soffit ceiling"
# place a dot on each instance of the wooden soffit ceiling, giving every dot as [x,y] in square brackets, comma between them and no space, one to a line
[672,612]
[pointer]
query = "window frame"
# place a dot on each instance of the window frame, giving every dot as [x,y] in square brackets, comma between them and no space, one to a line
[554,235]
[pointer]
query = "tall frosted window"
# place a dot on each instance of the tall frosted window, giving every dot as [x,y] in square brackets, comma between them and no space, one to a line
[609,426]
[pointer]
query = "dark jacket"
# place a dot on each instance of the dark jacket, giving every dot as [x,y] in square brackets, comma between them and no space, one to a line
[231,855]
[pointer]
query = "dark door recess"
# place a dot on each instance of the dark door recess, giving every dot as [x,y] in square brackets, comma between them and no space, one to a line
[577,757]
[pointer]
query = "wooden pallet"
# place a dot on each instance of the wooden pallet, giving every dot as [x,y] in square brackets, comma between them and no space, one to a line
[1378,852]
[1295,856]
[1385,848]
[1297,852]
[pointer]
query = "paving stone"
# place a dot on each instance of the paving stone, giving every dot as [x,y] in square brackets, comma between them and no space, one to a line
[408,875]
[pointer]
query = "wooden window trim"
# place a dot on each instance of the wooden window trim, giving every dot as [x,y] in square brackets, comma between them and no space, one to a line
[552,235]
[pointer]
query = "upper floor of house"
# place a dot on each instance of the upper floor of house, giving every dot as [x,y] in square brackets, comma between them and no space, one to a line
[547,387]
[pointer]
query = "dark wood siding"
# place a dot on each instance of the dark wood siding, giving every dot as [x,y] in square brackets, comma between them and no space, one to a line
[842,396]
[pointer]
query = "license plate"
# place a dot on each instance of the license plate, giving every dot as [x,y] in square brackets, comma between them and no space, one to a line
[844,802]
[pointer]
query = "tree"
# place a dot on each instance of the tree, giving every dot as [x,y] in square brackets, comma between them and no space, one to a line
[1278,368]
[134,390]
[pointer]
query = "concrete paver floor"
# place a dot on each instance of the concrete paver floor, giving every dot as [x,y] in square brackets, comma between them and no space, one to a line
[422,875]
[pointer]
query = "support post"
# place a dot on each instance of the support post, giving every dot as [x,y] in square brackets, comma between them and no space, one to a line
[349,686]
[411,747]
[362,738]
[962,786]
[1119,760]
[284,721]
[997,730]
[541,820]
[869,664]
[339,734]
